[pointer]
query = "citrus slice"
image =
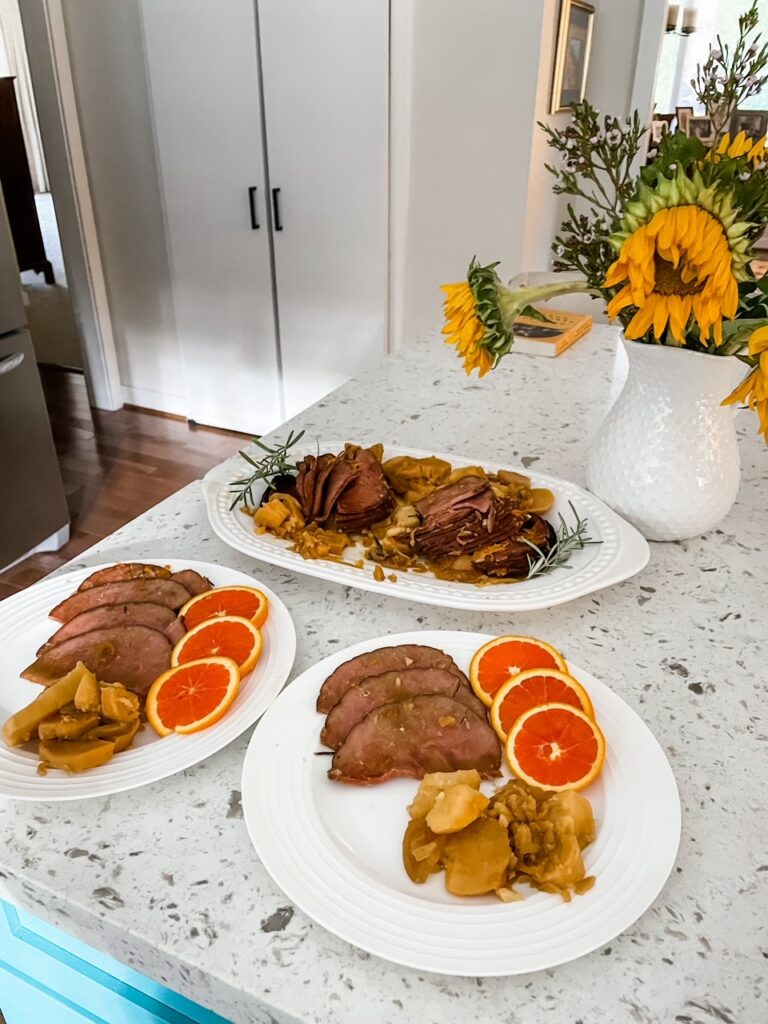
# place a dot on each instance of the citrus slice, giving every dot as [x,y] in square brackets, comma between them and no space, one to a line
[533,687]
[555,746]
[227,636]
[506,656]
[190,697]
[248,602]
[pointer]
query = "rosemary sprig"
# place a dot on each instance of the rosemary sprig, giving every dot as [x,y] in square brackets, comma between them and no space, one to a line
[272,464]
[569,539]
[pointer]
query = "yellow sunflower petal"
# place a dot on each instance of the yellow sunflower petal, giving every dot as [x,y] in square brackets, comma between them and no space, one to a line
[758,341]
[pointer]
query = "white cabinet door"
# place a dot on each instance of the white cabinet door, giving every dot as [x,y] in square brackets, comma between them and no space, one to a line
[325,79]
[204,84]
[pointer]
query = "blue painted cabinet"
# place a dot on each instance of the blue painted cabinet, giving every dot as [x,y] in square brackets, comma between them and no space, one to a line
[47,977]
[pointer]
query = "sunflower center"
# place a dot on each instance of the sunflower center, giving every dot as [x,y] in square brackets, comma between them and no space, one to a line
[669,279]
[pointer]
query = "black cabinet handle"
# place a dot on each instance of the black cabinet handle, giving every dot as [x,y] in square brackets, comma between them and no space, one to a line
[277,223]
[252,207]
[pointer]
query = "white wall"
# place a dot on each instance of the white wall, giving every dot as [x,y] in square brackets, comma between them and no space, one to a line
[107,57]
[479,78]
[542,209]
[472,94]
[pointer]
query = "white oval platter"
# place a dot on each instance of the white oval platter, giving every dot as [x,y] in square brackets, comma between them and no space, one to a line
[621,553]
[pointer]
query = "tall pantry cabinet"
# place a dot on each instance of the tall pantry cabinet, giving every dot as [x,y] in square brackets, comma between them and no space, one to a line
[271,128]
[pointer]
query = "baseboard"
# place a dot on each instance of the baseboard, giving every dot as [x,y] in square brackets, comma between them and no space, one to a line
[157,401]
[56,541]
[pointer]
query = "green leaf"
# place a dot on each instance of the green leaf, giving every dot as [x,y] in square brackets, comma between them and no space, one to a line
[534,314]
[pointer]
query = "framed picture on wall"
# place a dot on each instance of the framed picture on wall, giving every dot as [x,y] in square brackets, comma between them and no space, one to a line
[683,114]
[752,122]
[701,128]
[659,127]
[574,38]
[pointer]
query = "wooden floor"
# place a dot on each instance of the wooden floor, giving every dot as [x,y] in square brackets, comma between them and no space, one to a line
[115,465]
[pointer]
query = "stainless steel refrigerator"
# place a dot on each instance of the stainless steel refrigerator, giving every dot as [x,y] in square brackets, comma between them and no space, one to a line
[33,507]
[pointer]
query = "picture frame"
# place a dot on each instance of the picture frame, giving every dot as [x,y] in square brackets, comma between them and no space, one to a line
[701,128]
[659,126]
[683,115]
[574,42]
[753,122]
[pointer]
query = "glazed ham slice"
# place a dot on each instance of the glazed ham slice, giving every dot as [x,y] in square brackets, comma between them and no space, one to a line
[167,592]
[156,616]
[375,663]
[192,581]
[368,498]
[365,697]
[350,487]
[125,571]
[132,655]
[410,738]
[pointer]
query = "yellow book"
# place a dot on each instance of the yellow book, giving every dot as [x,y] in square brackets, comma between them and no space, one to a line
[539,338]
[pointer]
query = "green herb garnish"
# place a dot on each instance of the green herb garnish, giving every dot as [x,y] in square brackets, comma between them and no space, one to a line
[569,539]
[273,463]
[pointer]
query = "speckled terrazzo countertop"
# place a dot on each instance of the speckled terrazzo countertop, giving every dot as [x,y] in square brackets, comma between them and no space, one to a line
[165,879]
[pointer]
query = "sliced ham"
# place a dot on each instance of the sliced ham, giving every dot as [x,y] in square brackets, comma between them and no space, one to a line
[156,591]
[371,693]
[125,571]
[192,581]
[374,663]
[410,738]
[368,499]
[132,655]
[513,556]
[350,487]
[156,616]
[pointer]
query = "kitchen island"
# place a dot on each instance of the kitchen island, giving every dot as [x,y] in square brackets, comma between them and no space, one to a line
[165,879]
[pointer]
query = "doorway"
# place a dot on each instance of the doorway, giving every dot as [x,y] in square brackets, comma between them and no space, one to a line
[49,308]
[30,205]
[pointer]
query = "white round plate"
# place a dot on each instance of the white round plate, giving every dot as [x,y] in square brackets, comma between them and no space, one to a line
[24,626]
[335,849]
[621,553]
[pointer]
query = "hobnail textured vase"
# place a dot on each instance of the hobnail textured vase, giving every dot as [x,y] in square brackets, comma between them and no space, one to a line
[665,457]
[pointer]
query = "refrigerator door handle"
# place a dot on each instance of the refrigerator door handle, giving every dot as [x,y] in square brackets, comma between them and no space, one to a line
[9,363]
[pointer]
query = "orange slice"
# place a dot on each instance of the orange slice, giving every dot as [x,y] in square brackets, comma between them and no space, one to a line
[555,746]
[193,696]
[228,636]
[247,602]
[533,687]
[506,656]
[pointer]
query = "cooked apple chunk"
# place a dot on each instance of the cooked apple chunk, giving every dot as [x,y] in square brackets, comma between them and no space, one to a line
[22,727]
[455,808]
[119,704]
[88,694]
[119,733]
[75,755]
[68,724]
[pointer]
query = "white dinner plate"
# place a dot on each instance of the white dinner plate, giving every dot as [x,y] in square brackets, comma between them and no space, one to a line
[335,849]
[25,625]
[621,553]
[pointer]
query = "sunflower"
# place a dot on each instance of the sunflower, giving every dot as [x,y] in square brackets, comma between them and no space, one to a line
[480,313]
[753,391]
[741,145]
[682,252]
[464,328]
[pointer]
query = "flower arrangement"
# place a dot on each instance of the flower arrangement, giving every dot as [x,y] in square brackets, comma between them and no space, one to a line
[668,248]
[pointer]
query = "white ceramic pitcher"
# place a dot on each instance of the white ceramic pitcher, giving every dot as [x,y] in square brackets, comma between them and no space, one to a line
[666,456]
